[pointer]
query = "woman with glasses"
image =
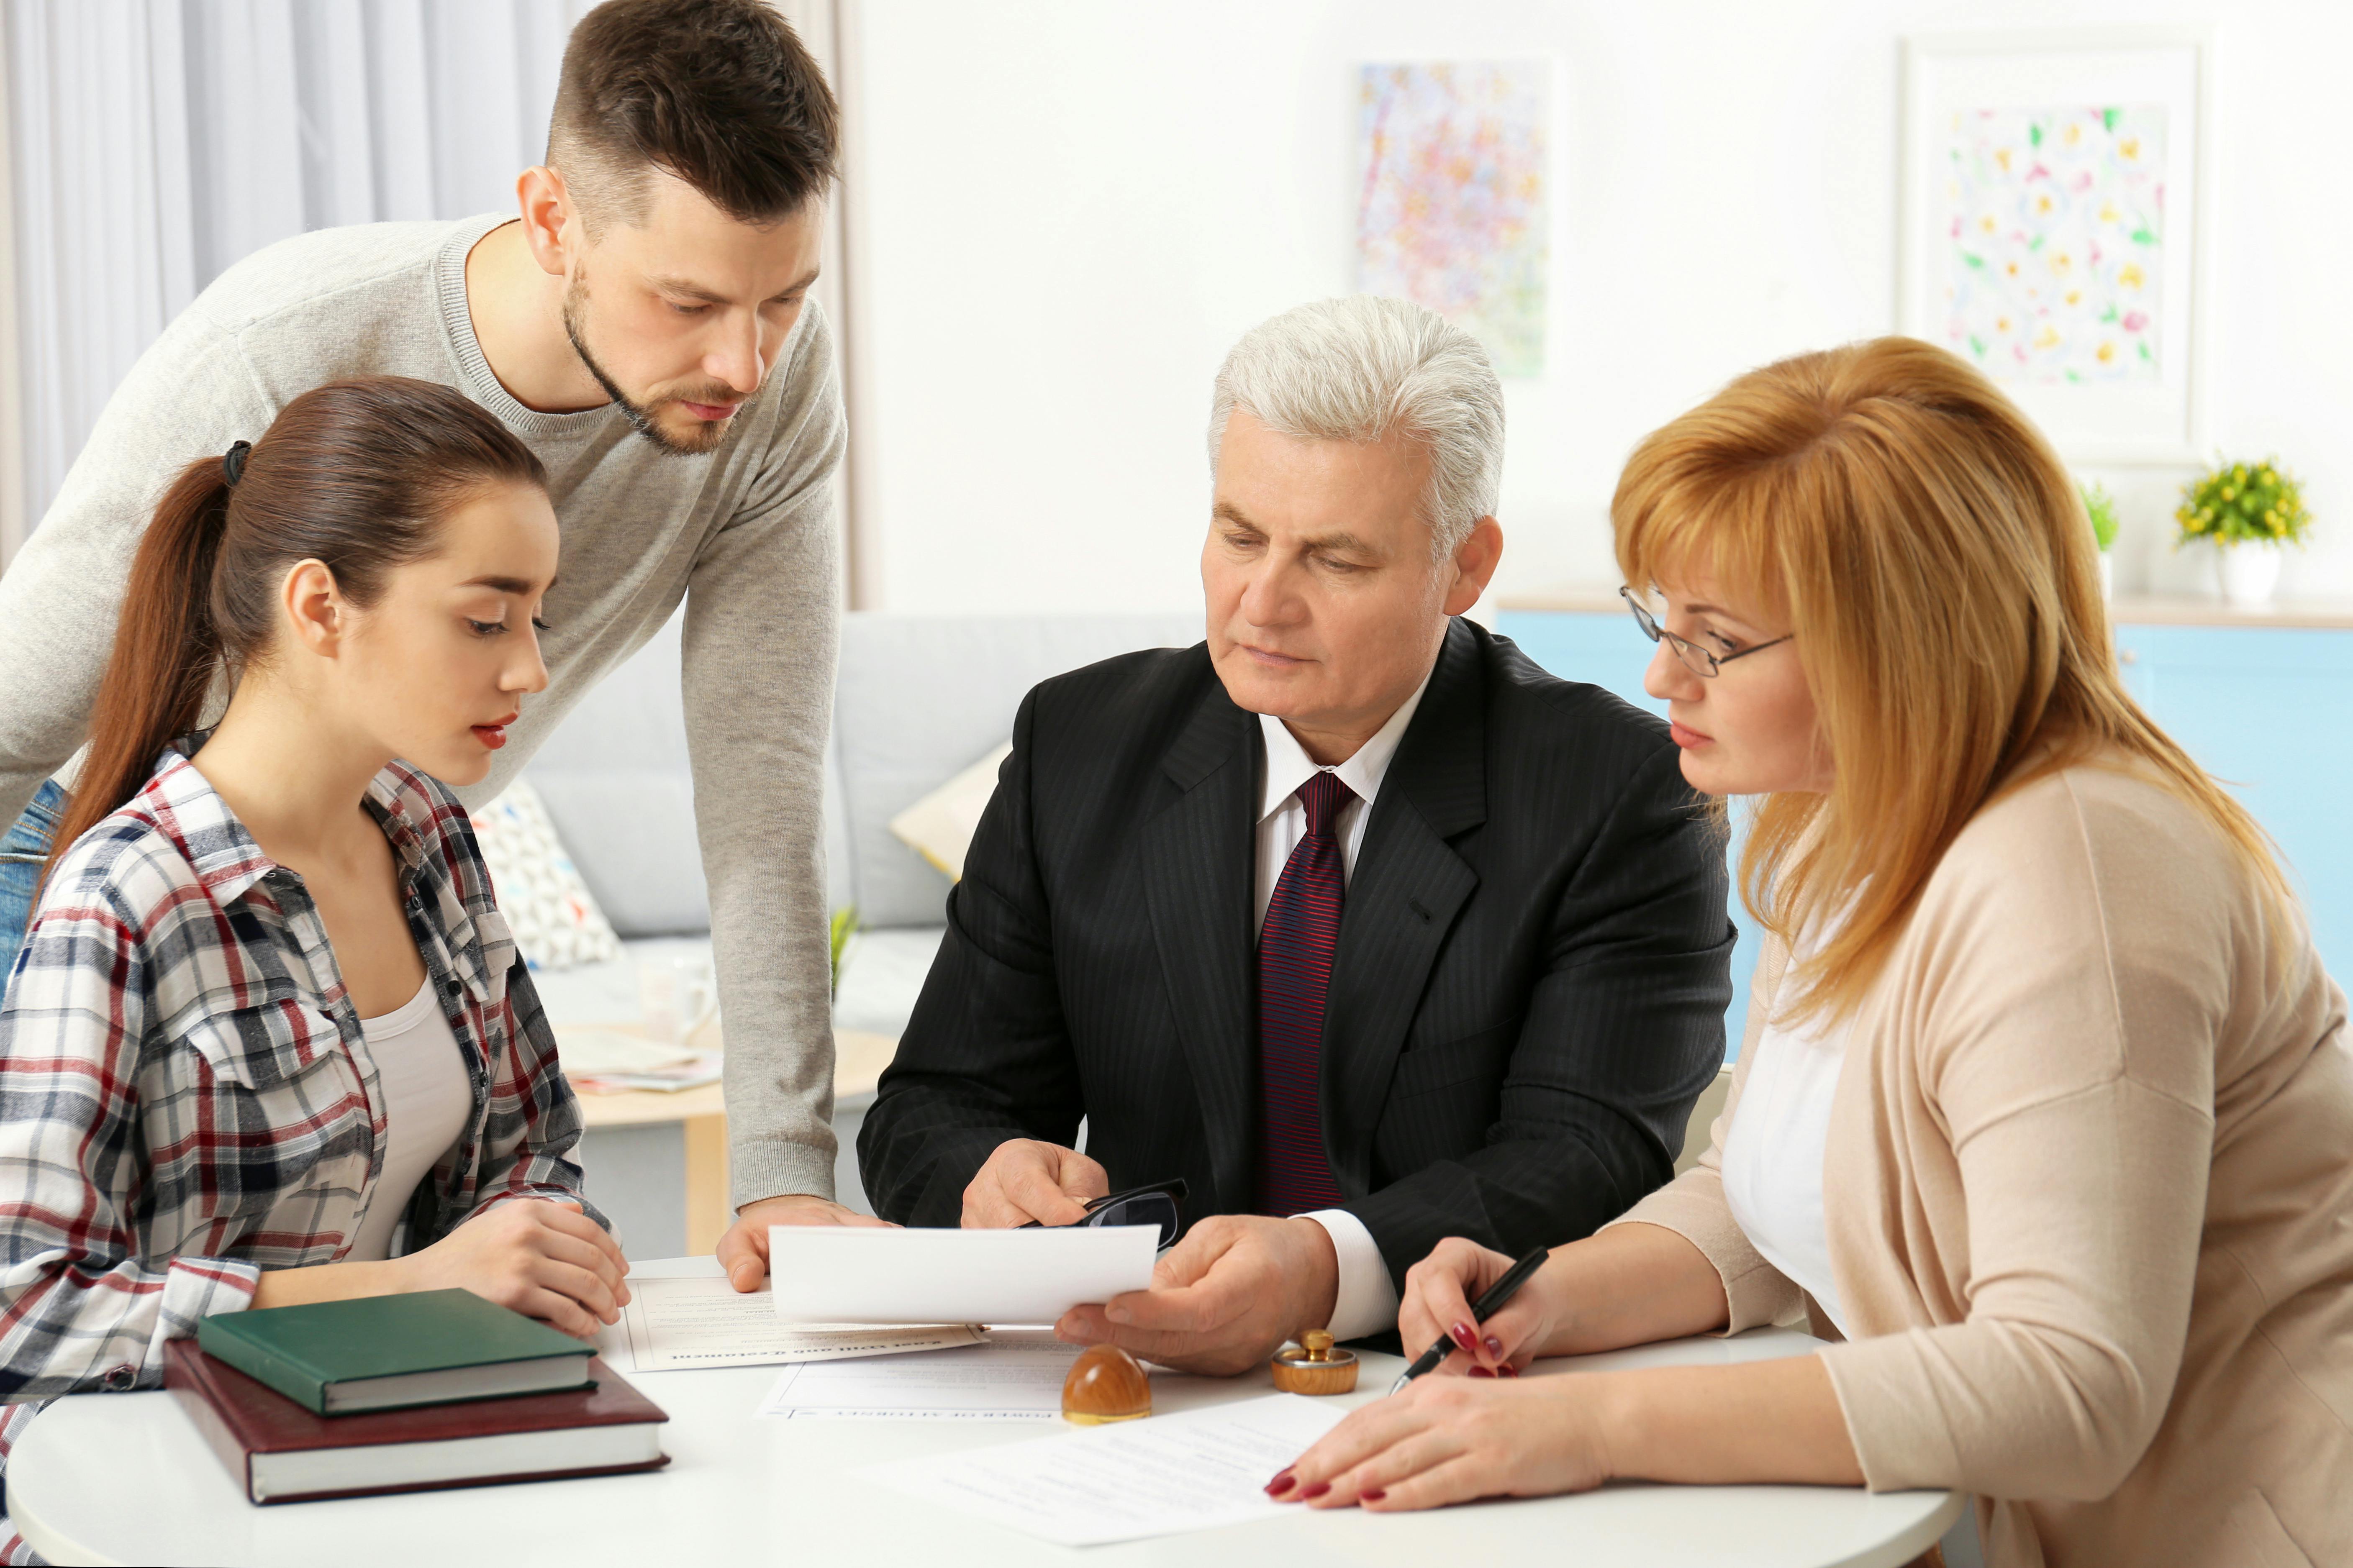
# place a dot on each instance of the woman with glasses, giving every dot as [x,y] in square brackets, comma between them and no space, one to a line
[2044,1114]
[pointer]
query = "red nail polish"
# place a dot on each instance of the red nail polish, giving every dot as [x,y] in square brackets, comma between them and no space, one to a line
[1281,1484]
[1374,1495]
[1494,1345]
[1464,1337]
[1481,1371]
[1507,1370]
[1318,1489]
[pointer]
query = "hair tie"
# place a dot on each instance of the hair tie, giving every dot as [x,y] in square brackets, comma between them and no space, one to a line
[233,462]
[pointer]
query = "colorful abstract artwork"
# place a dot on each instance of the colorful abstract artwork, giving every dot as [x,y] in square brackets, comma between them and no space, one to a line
[1452,212]
[2056,226]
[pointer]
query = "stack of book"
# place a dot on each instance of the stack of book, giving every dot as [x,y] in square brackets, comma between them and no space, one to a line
[392,1393]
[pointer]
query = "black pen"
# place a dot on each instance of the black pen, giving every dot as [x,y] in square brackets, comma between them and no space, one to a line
[1489,1304]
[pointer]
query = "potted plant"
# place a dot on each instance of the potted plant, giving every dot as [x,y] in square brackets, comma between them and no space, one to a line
[2101,507]
[845,926]
[2249,512]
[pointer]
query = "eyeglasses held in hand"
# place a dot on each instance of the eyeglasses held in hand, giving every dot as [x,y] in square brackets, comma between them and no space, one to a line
[1696,658]
[1162,1204]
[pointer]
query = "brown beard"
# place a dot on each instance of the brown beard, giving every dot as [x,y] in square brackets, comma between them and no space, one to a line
[706,435]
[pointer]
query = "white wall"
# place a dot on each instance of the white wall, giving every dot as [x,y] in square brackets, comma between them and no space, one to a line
[151,145]
[1067,210]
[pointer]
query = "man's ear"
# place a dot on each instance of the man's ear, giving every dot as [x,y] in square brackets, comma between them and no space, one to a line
[1474,564]
[315,607]
[550,223]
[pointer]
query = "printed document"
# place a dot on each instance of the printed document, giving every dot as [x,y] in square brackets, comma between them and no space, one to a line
[1015,1376]
[677,1324]
[1159,1476]
[845,1273]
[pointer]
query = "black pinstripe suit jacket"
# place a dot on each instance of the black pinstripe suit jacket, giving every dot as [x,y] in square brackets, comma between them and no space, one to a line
[1527,996]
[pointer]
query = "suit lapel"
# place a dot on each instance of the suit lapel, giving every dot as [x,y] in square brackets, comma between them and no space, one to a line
[1198,867]
[1406,888]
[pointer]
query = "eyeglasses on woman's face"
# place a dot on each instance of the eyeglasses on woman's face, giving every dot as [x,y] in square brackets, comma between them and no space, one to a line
[1696,658]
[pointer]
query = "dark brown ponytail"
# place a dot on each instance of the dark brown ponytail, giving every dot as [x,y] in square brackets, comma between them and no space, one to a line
[356,474]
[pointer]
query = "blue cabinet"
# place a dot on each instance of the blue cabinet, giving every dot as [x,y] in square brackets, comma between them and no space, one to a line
[2267,709]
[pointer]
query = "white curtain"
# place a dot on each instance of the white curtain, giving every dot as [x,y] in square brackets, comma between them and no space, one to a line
[156,141]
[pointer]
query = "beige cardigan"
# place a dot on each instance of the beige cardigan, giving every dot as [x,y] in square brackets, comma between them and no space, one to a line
[2089,1197]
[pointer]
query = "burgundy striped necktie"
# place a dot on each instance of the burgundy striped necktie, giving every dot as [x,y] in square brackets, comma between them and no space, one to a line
[1294,968]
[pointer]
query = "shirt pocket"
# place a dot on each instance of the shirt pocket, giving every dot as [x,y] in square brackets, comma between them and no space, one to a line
[265,1150]
[268,1046]
[1466,1058]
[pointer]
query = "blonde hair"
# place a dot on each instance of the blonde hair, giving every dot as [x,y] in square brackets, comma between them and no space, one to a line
[1933,560]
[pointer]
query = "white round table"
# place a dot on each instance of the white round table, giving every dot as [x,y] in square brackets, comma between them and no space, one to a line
[110,1478]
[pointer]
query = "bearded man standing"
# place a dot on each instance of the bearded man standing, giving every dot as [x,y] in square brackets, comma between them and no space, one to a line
[644,325]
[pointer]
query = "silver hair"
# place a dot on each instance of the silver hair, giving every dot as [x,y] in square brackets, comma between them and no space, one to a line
[1362,368]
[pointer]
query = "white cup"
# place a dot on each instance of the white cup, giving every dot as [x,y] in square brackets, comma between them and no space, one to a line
[675,996]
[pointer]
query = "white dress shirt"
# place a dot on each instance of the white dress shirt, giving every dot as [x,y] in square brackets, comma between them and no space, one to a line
[1368,1300]
[427,1099]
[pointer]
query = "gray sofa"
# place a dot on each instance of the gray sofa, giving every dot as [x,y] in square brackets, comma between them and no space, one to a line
[918,699]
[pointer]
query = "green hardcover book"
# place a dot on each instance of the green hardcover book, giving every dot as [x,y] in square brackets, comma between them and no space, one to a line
[384,1352]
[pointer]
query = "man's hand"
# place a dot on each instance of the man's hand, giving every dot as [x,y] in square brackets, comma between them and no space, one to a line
[744,1250]
[1026,1180]
[1224,1298]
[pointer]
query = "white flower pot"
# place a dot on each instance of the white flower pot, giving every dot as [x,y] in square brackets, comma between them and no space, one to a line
[2249,572]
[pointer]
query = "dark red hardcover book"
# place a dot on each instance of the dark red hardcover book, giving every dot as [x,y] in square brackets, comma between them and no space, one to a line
[280,1452]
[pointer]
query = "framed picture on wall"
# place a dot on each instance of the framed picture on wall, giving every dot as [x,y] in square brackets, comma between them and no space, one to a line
[2056,231]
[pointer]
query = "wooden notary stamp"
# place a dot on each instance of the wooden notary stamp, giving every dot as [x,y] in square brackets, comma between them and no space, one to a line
[1105,1385]
[1315,1367]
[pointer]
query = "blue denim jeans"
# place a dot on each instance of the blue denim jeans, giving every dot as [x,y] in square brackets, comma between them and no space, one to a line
[23,851]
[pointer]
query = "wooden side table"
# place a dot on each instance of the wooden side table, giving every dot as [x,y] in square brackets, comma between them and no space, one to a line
[702,1114]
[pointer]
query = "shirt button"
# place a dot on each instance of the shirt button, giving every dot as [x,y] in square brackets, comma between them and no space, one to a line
[118,1378]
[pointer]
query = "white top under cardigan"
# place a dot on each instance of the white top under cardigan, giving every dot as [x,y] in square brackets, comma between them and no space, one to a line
[421,1074]
[1773,1152]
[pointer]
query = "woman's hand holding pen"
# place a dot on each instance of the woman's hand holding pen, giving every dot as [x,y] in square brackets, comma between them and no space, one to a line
[1450,1439]
[1436,1304]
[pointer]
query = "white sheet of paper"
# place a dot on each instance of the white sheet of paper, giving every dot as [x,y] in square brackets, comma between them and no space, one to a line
[845,1274]
[589,1052]
[676,1324]
[1015,1376]
[1161,1476]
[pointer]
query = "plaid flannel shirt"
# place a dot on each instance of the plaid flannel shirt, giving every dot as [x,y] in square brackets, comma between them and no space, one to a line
[185,1095]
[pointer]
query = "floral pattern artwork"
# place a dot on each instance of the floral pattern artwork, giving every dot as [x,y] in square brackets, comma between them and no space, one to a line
[2055,219]
[1452,212]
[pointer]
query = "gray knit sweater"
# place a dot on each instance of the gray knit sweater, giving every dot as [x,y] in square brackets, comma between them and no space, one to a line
[745,535]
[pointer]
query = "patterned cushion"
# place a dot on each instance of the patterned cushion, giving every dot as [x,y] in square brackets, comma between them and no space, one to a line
[940,826]
[557,923]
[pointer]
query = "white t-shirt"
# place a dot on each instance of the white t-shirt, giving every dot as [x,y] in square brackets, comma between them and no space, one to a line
[1773,1155]
[421,1074]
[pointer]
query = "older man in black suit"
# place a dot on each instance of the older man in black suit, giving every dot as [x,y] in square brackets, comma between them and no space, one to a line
[1351,917]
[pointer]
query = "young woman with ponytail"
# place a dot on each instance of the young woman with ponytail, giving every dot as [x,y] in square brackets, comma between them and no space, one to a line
[269,1040]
